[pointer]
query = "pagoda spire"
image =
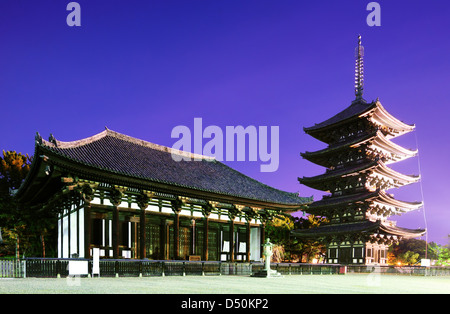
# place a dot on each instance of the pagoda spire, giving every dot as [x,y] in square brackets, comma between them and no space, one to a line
[359,70]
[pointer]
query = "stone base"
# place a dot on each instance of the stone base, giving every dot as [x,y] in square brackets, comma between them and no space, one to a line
[266,274]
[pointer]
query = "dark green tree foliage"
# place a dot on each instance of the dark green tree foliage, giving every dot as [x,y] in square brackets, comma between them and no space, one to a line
[441,253]
[295,250]
[410,245]
[411,251]
[22,229]
[13,169]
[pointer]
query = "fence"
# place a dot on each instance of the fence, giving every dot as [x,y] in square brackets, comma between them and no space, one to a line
[403,270]
[11,268]
[57,267]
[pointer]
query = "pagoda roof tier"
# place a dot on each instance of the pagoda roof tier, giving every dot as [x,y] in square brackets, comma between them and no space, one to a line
[386,199]
[374,111]
[390,150]
[377,198]
[119,159]
[362,227]
[373,169]
[376,141]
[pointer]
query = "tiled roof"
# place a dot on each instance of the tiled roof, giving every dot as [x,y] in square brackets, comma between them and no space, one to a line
[335,229]
[355,109]
[117,153]
[379,196]
[365,226]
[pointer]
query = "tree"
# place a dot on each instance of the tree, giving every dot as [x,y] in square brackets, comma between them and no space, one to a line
[310,249]
[398,252]
[305,250]
[13,169]
[407,258]
[278,230]
[288,248]
[442,254]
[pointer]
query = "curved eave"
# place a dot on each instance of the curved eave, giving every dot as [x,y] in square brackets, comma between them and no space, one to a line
[385,198]
[376,113]
[399,153]
[376,140]
[36,170]
[354,111]
[362,227]
[343,200]
[321,157]
[316,182]
[382,117]
[337,229]
[398,178]
[374,169]
[404,233]
[378,197]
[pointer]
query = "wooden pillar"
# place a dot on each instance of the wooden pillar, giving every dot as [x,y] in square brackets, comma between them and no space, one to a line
[108,240]
[248,242]
[115,232]
[115,197]
[87,230]
[176,207]
[206,210]
[165,239]
[176,238]
[142,235]
[192,242]
[263,235]
[232,240]
[142,200]
[205,239]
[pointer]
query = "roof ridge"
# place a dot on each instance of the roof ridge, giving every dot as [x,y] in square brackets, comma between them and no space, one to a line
[159,147]
[54,143]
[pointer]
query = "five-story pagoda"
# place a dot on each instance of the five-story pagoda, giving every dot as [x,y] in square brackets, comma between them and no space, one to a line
[357,177]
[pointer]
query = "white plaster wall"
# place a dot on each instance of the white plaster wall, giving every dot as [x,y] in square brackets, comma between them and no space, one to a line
[65,240]
[73,233]
[255,244]
[59,238]
[81,230]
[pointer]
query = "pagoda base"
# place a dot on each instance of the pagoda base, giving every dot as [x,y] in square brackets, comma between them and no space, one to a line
[267,273]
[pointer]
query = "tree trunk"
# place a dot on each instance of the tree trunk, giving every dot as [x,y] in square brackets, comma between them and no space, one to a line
[17,248]
[43,245]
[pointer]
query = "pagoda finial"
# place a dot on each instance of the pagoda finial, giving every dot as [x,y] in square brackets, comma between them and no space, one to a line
[359,70]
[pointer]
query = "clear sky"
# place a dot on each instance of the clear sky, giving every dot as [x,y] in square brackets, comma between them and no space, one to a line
[144,67]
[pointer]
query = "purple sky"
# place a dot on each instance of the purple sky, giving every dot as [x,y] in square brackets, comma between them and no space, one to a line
[143,67]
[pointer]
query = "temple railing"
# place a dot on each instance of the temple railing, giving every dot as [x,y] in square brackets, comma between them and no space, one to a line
[59,267]
[11,268]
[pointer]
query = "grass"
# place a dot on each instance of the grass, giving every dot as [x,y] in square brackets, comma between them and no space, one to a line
[294,284]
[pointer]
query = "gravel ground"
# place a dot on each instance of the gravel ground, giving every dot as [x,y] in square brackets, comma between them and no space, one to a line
[294,284]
